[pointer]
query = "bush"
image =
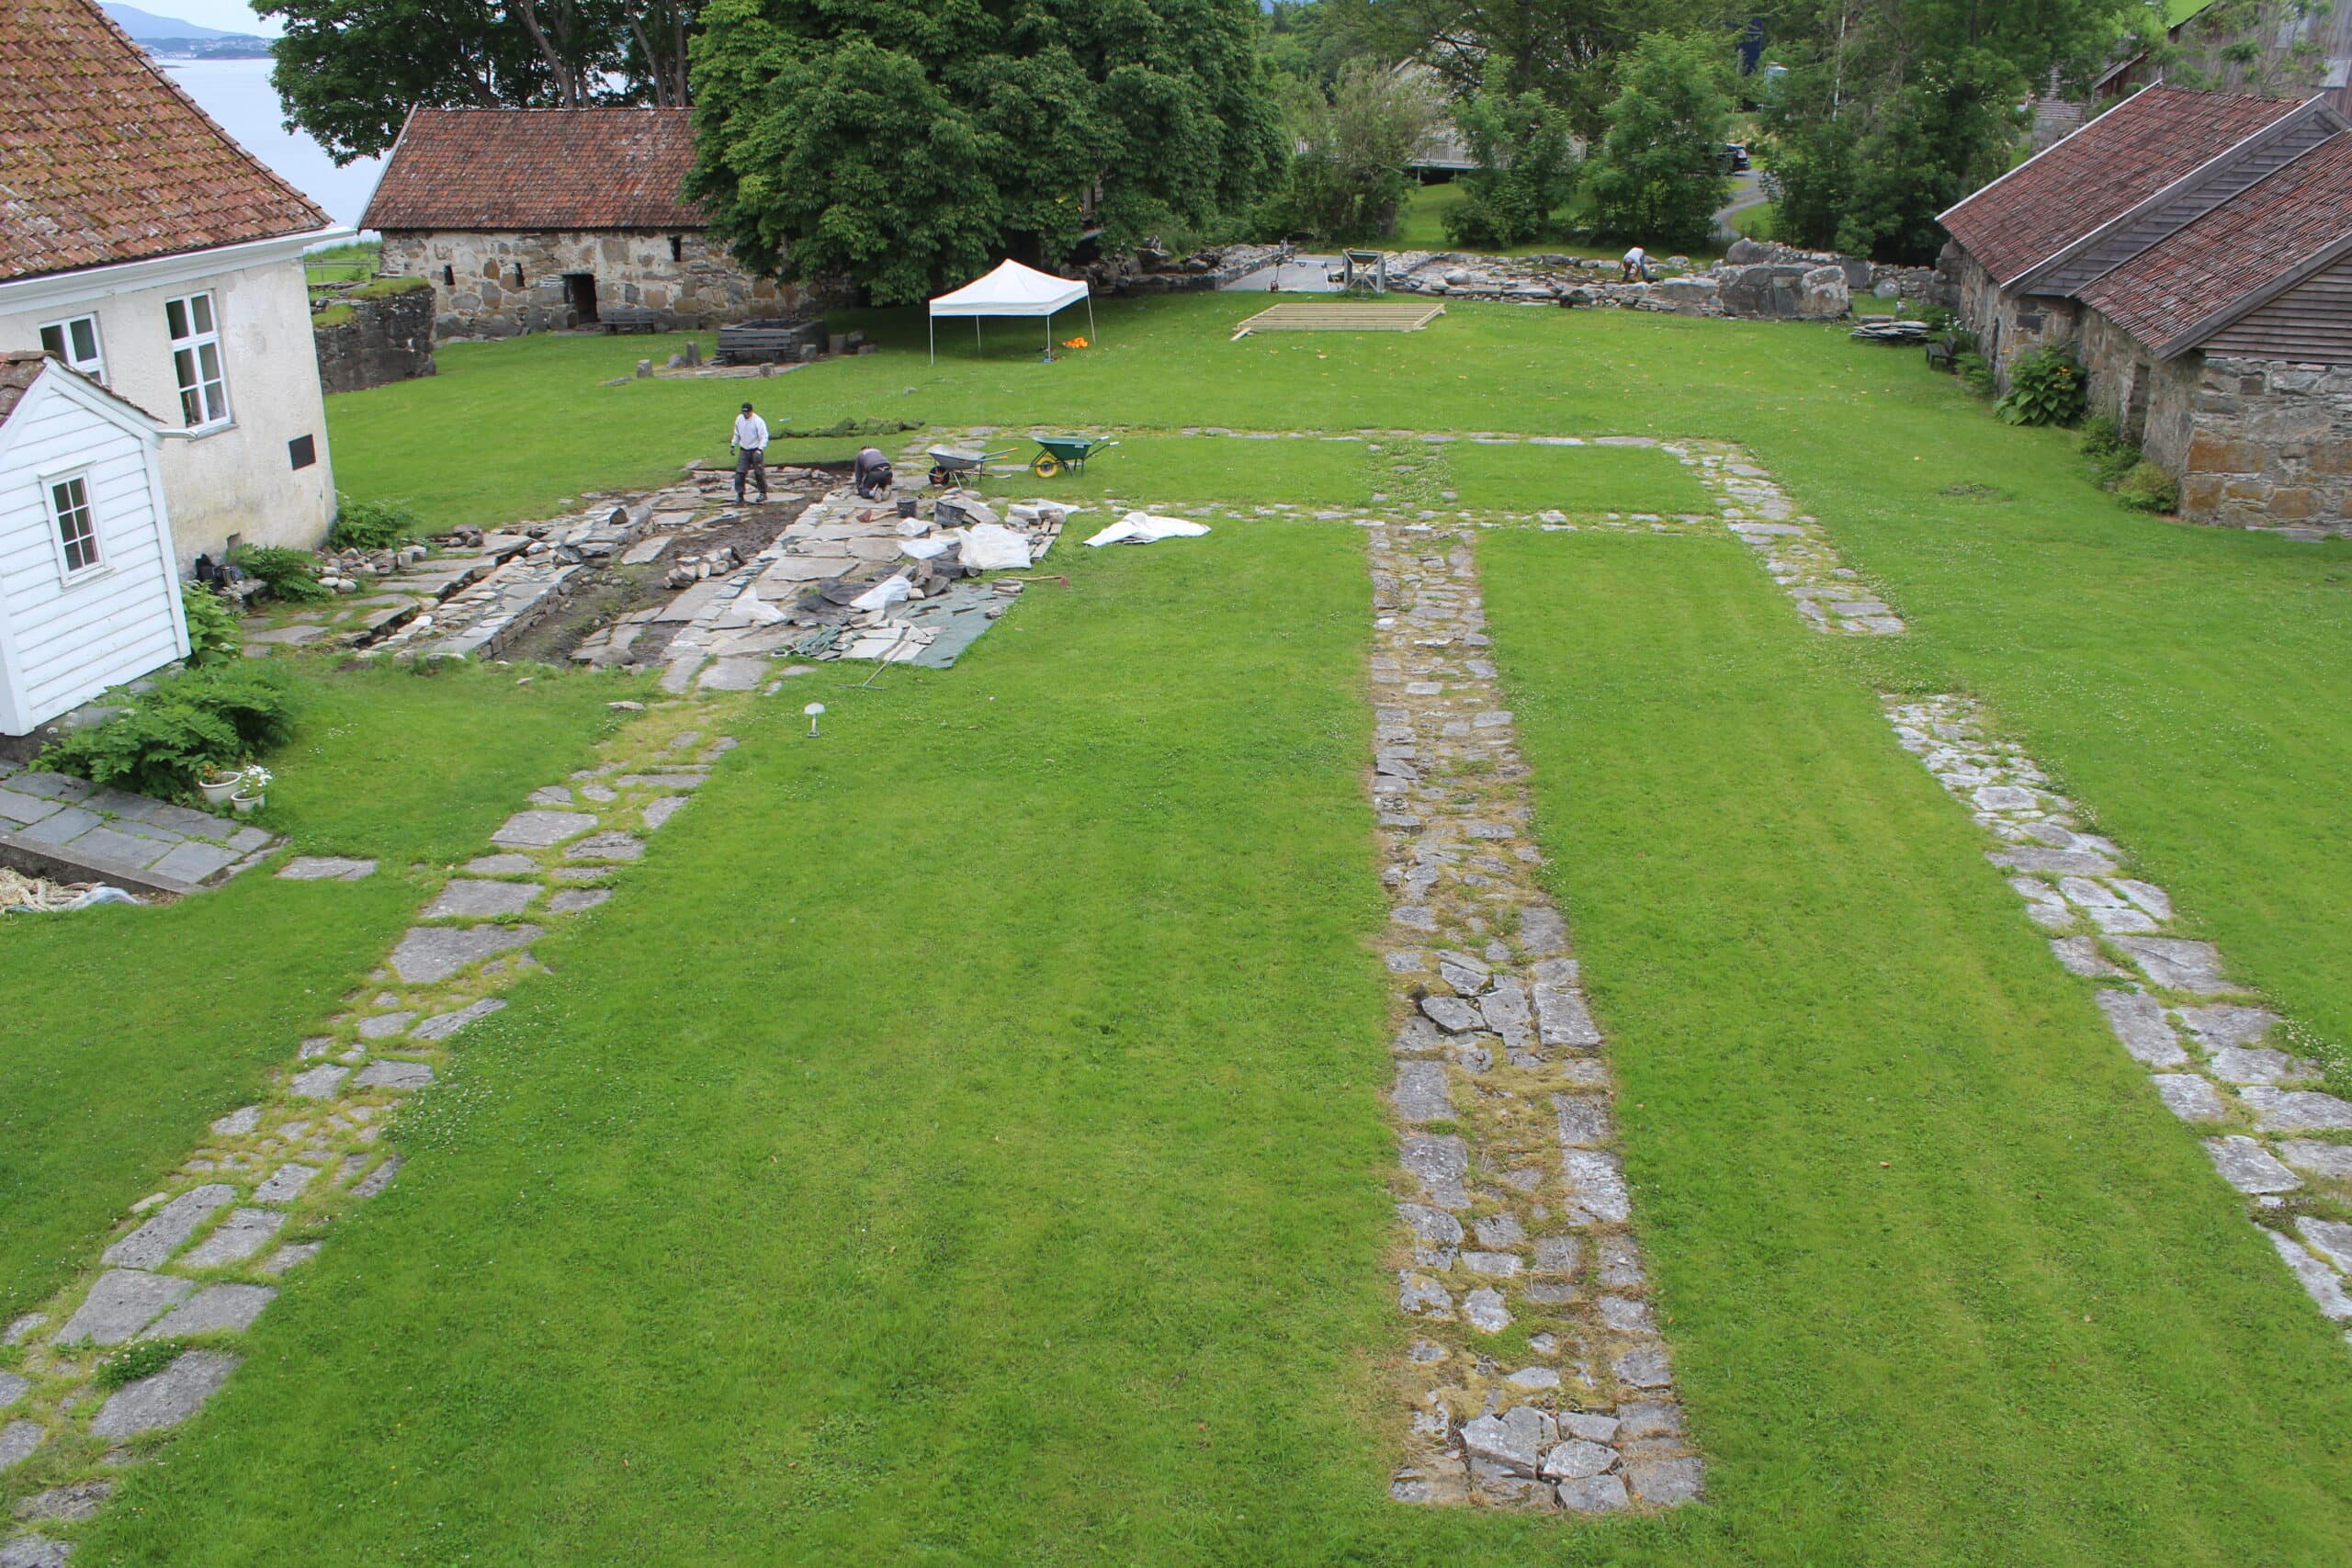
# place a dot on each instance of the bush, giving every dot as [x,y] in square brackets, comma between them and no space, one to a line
[287,573]
[2046,388]
[1975,371]
[1527,165]
[2148,487]
[212,627]
[372,524]
[1350,174]
[2110,450]
[168,736]
[1658,175]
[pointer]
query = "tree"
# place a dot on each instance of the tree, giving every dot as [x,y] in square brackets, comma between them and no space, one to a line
[349,71]
[1893,109]
[1526,164]
[902,144]
[1658,175]
[1352,171]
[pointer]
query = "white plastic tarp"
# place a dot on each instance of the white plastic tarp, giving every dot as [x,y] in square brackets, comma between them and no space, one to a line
[1142,528]
[992,547]
[1011,290]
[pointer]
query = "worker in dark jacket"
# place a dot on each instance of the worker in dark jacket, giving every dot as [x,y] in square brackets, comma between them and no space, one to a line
[871,475]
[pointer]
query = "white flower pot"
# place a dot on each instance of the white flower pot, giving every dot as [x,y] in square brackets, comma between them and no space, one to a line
[246,804]
[214,794]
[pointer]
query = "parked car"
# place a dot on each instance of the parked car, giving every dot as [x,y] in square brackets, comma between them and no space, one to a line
[1732,158]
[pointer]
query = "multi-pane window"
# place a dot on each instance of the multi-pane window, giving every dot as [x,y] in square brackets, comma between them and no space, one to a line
[76,342]
[77,531]
[195,360]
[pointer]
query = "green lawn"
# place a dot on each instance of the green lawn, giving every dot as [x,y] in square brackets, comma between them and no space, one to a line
[128,1030]
[962,1139]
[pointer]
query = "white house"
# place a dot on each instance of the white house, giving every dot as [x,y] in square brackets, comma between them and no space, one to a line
[143,247]
[89,596]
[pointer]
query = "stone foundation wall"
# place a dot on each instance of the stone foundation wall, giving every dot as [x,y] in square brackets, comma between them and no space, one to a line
[387,339]
[497,284]
[2269,444]
[2008,326]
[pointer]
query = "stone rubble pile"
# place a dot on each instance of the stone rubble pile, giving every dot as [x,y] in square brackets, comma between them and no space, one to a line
[1511,1188]
[2217,1057]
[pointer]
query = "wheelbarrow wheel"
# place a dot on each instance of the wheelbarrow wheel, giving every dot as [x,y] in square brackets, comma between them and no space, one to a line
[1046,466]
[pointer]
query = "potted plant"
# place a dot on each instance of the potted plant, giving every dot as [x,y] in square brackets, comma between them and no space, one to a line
[252,791]
[218,783]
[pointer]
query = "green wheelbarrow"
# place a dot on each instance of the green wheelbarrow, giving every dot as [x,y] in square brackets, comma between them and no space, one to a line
[1058,452]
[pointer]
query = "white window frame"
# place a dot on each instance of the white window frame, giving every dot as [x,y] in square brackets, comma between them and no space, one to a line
[96,565]
[210,393]
[94,367]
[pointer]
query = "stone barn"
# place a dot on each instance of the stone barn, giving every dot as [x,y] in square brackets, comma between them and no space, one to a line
[2195,251]
[534,220]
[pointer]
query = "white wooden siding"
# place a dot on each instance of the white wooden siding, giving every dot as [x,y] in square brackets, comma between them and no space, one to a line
[65,642]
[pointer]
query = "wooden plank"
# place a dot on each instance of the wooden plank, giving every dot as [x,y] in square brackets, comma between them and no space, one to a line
[1342,319]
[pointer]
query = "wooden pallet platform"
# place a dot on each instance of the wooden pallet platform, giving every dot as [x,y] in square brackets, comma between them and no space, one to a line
[1340,318]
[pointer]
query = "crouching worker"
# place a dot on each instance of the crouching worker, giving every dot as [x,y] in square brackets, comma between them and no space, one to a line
[873,474]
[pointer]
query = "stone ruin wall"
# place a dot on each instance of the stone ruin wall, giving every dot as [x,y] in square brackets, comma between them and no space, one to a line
[2268,442]
[478,294]
[386,340]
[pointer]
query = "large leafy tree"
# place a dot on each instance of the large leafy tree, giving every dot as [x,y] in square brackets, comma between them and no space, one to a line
[1893,110]
[349,71]
[903,145]
[1526,164]
[1352,171]
[1657,177]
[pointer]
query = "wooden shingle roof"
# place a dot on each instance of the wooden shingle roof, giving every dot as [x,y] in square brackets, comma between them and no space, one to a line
[516,170]
[2178,291]
[104,159]
[2100,171]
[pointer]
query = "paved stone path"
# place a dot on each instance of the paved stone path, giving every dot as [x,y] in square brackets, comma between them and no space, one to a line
[2218,1058]
[200,1258]
[1515,1205]
[53,825]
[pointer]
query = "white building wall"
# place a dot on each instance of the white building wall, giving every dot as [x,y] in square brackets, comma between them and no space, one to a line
[63,642]
[238,479]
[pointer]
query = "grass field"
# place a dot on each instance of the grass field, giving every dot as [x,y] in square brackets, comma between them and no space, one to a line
[202,999]
[961,1142]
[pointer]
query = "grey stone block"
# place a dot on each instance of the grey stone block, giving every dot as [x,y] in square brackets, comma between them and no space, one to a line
[326,868]
[68,1504]
[658,812]
[1440,1165]
[166,1399]
[319,1083]
[502,865]
[1664,1482]
[216,1309]
[1593,1495]
[194,862]
[287,1183]
[18,810]
[395,1075]
[292,1256]
[2295,1110]
[30,1551]
[443,1025]
[541,830]
[2217,1028]
[12,1389]
[479,900]
[122,849]
[2138,1022]
[168,1231]
[1420,1093]
[62,826]
[238,1123]
[238,1237]
[575,900]
[2246,1164]
[430,953]
[2176,965]
[18,1441]
[123,1302]
[2320,1282]
[2331,1162]
[606,847]
[384,1025]
[2190,1098]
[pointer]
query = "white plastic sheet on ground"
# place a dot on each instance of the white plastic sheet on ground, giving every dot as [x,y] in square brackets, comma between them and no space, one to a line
[992,547]
[1142,528]
[883,595]
[927,549]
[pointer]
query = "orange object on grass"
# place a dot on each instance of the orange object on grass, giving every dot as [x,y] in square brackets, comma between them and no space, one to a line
[1075,343]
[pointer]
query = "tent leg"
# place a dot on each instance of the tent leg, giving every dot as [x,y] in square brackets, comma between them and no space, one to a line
[934,340]
[1089,318]
[975,339]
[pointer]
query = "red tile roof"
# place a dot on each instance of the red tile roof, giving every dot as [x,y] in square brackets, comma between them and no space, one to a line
[2242,247]
[509,170]
[104,159]
[2102,171]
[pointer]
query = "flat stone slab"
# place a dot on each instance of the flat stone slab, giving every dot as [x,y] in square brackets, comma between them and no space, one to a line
[658,812]
[384,1025]
[2295,1110]
[1422,1094]
[2190,1098]
[123,1302]
[541,830]
[481,901]
[2326,1289]
[394,1075]
[2331,1162]
[326,868]
[734,675]
[2246,1164]
[288,1182]
[443,1025]
[2176,965]
[12,1389]
[236,1239]
[575,900]
[606,847]
[18,1441]
[292,1256]
[430,953]
[2138,1022]
[166,1399]
[168,1231]
[319,1083]
[502,865]
[216,1309]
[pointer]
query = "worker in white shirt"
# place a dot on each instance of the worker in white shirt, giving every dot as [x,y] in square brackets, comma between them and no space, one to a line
[1636,268]
[751,452]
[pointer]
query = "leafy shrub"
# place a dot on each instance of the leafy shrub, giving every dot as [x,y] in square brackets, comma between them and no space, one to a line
[2046,388]
[372,524]
[287,573]
[212,627]
[1975,371]
[1655,177]
[168,736]
[1526,165]
[2110,450]
[2148,487]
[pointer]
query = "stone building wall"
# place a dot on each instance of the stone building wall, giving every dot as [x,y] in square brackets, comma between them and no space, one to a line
[2008,326]
[2268,442]
[497,284]
[385,338]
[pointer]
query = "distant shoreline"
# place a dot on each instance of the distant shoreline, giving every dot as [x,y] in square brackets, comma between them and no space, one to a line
[206,47]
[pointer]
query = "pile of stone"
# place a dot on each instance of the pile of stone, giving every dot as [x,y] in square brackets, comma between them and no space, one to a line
[347,570]
[1152,270]
[690,569]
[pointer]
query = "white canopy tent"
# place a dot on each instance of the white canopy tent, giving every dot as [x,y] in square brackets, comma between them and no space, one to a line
[1011,290]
